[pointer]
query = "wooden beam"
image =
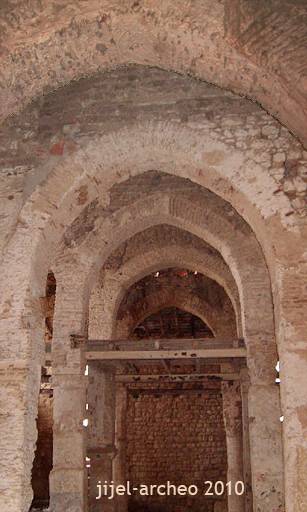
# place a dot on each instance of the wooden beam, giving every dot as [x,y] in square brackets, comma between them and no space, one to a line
[160,392]
[164,343]
[179,377]
[204,353]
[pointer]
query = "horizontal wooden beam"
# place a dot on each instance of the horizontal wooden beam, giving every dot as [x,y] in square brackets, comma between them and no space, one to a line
[179,377]
[161,392]
[204,353]
[162,344]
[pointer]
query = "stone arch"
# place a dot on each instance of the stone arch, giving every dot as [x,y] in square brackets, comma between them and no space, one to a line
[53,202]
[242,251]
[108,293]
[92,188]
[164,210]
[268,151]
[157,35]
[59,198]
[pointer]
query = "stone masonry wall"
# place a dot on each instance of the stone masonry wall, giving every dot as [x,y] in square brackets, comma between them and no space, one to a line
[178,436]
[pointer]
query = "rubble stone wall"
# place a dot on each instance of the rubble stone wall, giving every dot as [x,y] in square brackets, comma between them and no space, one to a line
[178,437]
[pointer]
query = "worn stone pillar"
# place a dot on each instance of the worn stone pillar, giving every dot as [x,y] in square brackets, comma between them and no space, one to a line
[21,359]
[232,412]
[68,482]
[264,411]
[119,463]
[293,379]
[247,474]
[19,390]
[101,432]
[68,479]
[266,447]
[293,375]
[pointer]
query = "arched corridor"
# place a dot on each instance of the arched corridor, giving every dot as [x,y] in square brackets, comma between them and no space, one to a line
[153,256]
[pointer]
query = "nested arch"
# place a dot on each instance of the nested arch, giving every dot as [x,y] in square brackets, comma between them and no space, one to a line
[187,213]
[218,224]
[98,225]
[162,246]
[221,323]
[228,234]
[200,212]
[190,208]
[78,192]
[56,202]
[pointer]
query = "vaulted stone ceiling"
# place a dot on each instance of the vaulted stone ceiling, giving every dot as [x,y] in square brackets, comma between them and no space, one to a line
[171,323]
[256,49]
[152,306]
